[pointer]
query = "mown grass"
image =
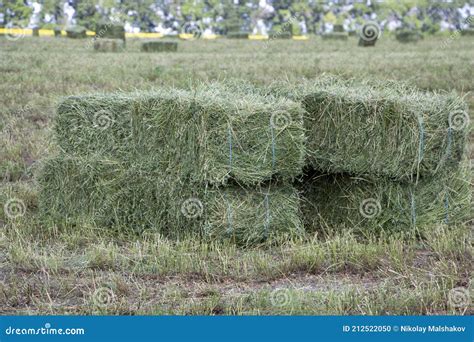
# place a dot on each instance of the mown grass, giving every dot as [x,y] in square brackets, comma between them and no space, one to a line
[52,269]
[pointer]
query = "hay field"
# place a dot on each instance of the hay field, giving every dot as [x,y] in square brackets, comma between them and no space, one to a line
[67,269]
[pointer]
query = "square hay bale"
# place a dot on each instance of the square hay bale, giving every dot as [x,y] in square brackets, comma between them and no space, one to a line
[341,201]
[207,135]
[280,35]
[108,45]
[408,36]
[57,31]
[377,128]
[76,32]
[338,28]
[159,46]
[335,36]
[237,35]
[116,195]
[468,31]
[108,29]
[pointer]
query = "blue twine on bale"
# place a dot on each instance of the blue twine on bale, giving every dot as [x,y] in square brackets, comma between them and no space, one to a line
[229,139]
[267,214]
[273,147]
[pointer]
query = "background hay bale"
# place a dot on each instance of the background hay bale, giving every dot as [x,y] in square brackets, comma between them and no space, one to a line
[380,128]
[408,36]
[35,31]
[468,31]
[117,195]
[335,36]
[108,45]
[280,35]
[338,28]
[339,202]
[206,135]
[108,29]
[237,35]
[159,46]
[76,32]
[57,31]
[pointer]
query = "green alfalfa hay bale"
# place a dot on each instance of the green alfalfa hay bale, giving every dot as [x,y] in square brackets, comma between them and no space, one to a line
[206,135]
[120,196]
[335,36]
[57,31]
[237,35]
[408,36]
[379,128]
[159,46]
[76,32]
[335,202]
[109,29]
[280,35]
[468,31]
[108,45]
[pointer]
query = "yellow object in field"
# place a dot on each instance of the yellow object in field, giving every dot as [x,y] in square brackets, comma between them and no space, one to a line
[144,35]
[258,37]
[210,36]
[186,36]
[90,33]
[46,33]
[16,31]
[300,37]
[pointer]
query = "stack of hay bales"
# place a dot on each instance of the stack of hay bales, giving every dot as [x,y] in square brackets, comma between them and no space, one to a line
[337,34]
[111,30]
[35,31]
[159,46]
[178,162]
[108,45]
[408,35]
[469,31]
[57,31]
[76,32]
[245,163]
[383,156]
